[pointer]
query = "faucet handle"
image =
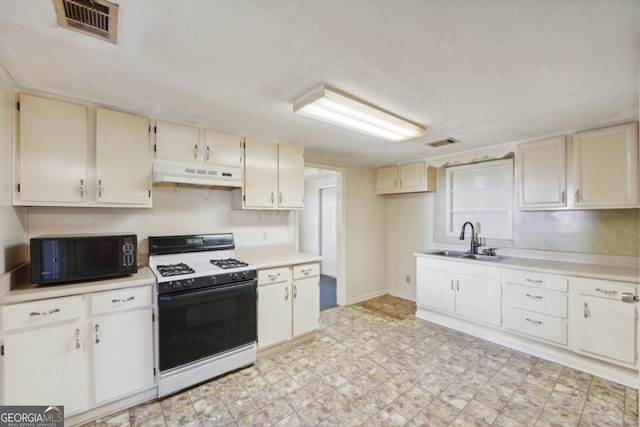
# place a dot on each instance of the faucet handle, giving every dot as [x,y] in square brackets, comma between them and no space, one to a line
[489,251]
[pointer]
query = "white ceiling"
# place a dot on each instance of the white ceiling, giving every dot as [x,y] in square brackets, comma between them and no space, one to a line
[485,72]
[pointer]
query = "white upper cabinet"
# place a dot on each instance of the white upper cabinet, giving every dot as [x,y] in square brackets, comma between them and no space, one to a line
[290,176]
[273,176]
[222,149]
[406,178]
[260,173]
[605,167]
[180,143]
[596,169]
[53,138]
[542,174]
[123,158]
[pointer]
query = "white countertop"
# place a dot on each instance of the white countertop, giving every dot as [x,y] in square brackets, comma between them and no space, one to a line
[595,271]
[29,292]
[280,259]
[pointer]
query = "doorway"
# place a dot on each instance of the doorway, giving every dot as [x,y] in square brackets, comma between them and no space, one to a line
[320,227]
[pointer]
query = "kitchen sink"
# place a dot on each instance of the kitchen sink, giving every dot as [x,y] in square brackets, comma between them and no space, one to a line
[458,254]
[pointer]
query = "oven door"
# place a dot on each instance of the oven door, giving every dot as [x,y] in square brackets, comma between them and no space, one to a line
[202,323]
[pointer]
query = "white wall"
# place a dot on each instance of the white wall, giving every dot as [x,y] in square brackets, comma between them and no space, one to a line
[409,230]
[12,220]
[310,216]
[176,210]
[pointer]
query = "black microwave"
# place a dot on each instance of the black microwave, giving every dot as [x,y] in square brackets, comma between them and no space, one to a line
[62,259]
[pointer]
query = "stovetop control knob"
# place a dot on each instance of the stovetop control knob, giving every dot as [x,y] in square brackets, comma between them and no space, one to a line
[245,274]
[175,285]
[212,280]
[234,276]
[187,283]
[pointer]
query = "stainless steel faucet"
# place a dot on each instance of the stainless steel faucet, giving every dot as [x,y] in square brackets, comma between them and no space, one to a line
[473,249]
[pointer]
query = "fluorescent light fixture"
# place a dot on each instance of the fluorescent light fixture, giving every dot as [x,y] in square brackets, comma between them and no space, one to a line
[339,108]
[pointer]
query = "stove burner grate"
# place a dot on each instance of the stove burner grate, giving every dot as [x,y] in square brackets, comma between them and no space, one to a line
[174,269]
[228,263]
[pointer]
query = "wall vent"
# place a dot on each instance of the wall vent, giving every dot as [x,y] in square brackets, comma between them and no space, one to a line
[443,142]
[97,18]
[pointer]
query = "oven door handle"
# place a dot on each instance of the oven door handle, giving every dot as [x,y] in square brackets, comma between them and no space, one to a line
[228,290]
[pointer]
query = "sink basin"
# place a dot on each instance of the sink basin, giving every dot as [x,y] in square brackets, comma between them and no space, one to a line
[451,254]
[479,257]
[457,254]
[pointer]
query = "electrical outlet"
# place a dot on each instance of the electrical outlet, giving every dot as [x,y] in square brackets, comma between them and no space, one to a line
[264,236]
[407,278]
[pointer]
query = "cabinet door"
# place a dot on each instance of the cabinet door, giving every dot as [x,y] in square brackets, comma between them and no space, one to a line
[436,290]
[607,328]
[52,152]
[605,163]
[274,314]
[222,149]
[386,179]
[290,176]
[479,299]
[260,173]
[306,305]
[542,174]
[122,354]
[413,177]
[46,366]
[177,142]
[123,158]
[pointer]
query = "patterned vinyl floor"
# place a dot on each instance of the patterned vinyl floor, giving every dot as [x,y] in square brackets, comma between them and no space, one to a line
[374,364]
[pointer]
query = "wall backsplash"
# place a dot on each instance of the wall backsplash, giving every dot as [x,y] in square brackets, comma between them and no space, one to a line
[176,210]
[601,231]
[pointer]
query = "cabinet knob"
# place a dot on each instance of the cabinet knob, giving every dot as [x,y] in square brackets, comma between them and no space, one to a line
[77,333]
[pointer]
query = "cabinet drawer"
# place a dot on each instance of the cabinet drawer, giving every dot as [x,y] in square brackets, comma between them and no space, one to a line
[120,299]
[42,312]
[274,275]
[535,324]
[306,270]
[535,299]
[606,289]
[540,280]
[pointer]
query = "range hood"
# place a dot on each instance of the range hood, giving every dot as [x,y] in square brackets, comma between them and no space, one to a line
[196,174]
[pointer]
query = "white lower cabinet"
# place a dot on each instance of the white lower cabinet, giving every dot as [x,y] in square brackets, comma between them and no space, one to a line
[466,290]
[606,326]
[288,303]
[77,351]
[46,366]
[536,304]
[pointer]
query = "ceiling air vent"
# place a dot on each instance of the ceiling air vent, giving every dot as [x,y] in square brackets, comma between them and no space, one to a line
[443,142]
[97,18]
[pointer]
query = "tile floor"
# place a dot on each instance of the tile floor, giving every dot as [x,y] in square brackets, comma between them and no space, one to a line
[374,364]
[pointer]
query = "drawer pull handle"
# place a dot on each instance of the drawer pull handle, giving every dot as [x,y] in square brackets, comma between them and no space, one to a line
[534,296]
[116,300]
[586,310]
[77,339]
[535,322]
[306,271]
[44,313]
[606,291]
[533,280]
[97,335]
[286,295]
[451,284]
[274,276]
[295,291]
